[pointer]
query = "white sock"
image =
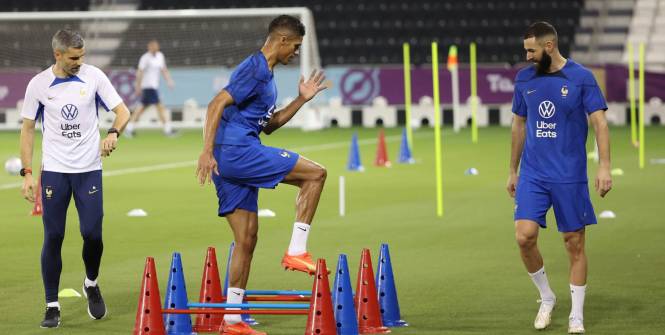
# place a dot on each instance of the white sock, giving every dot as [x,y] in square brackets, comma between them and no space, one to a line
[577,294]
[167,127]
[90,283]
[130,127]
[298,243]
[539,279]
[234,295]
[53,304]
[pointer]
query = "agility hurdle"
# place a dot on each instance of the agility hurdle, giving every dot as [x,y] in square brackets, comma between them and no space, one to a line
[151,318]
[376,300]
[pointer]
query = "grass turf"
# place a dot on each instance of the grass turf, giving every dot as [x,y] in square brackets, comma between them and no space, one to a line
[459,274]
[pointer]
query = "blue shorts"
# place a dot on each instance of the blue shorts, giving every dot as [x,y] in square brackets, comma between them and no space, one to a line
[245,169]
[572,206]
[149,96]
[57,191]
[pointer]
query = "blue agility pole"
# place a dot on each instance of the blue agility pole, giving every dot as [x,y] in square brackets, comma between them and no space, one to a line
[270,306]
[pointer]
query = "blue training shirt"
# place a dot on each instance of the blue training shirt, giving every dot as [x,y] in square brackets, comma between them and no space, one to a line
[556,106]
[254,94]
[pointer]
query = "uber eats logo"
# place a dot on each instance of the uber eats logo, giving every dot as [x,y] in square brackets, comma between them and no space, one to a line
[546,110]
[69,112]
[264,120]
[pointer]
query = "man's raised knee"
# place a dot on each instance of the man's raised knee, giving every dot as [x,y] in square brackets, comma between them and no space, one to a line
[322,174]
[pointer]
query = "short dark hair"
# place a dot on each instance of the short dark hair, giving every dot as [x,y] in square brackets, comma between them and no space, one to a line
[540,29]
[287,22]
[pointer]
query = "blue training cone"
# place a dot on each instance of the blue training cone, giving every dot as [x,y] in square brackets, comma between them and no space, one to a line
[246,318]
[345,313]
[385,286]
[176,297]
[405,151]
[354,156]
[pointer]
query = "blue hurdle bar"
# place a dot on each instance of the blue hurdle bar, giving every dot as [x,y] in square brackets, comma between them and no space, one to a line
[277,292]
[271,306]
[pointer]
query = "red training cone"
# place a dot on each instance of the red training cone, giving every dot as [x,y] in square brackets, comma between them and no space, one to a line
[149,313]
[321,318]
[37,208]
[367,302]
[211,292]
[382,151]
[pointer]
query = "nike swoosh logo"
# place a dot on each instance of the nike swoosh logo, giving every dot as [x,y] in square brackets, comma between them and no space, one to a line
[309,266]
[303,229]
[529,92]
[51,98]
[93,192]
[236,293]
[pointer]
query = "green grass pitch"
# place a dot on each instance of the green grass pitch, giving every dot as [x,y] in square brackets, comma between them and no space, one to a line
[460,274]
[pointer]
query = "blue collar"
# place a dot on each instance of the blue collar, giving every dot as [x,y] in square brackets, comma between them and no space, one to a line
[58,80]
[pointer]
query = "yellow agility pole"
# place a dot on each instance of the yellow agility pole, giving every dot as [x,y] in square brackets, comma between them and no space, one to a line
[631,94]
[641,75]
[407,93]
[437,129]
[474,93]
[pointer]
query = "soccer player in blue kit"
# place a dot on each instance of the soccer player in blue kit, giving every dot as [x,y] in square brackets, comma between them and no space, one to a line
[238,164]
[553,102]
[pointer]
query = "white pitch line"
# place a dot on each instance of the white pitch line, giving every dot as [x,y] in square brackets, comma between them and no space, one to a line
[335,145]
[176,165]
[10,186]
[149,168]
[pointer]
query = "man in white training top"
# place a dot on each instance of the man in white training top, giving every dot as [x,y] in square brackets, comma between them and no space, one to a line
[151,64]
[67,98]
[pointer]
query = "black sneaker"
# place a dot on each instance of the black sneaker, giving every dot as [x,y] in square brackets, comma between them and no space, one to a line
[51,318]
[96,306]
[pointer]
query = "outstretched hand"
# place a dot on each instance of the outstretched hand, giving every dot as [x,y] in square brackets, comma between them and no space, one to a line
[315,84]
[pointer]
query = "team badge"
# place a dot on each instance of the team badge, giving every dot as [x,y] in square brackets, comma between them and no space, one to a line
[48,190]
[564,91]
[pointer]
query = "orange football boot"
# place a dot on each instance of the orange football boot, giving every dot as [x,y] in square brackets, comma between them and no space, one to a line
[302,262]
[239,328]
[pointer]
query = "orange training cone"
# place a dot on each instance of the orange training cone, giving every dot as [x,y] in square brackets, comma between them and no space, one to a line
[321,319]
[367,302]
[211,292]
[37,208]
[149,314]
[382,151]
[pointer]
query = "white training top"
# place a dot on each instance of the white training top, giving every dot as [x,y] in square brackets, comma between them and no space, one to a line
[151,65]
[69,110]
